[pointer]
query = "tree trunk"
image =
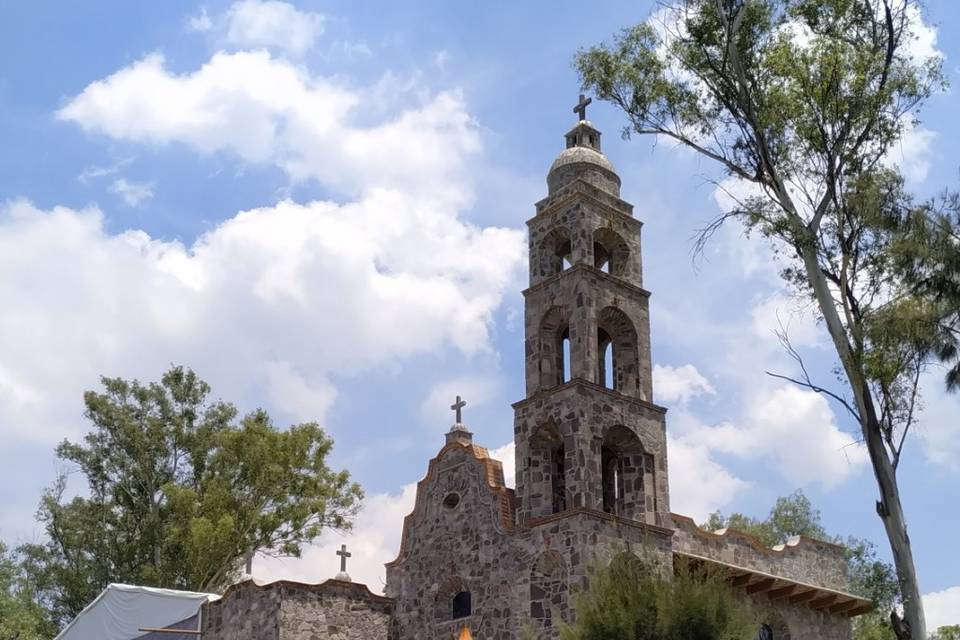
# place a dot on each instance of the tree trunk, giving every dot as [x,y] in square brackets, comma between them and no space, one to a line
[891,514]
[888,508]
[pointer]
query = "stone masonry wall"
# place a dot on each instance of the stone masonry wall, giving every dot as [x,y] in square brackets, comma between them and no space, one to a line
[809,561]
[333,610]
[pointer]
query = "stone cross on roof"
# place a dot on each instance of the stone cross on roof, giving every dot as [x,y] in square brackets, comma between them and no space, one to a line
[581,107]
[458,408]
[344,554]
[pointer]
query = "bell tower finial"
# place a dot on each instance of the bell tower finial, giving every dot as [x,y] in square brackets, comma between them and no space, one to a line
[581,108]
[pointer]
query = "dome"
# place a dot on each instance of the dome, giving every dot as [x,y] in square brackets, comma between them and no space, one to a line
[580,162]
[575,155]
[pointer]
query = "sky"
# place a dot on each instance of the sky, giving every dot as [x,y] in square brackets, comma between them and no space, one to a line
[320,208]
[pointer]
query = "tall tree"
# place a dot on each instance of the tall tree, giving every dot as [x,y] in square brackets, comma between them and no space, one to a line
[180,493]
[800,101]
[21,618]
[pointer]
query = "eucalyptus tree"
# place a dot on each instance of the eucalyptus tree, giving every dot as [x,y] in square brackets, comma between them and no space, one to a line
[800,102]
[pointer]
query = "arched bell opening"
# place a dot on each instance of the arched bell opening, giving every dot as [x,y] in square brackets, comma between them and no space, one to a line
[555,348]
[555,252]
[618,357]
[611,253]
[548,469]
[623,465]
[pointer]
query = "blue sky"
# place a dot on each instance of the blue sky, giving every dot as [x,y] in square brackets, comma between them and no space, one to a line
[321,208]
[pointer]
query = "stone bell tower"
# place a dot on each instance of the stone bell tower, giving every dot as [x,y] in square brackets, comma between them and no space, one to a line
[588,436]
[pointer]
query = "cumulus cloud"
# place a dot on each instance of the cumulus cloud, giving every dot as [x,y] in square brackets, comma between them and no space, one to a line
[699,485]
[476,390]
[505,455]
[374,540]
[266,110]
[132,193]
[782,312]
[792,430]
[262,23]
[942,608]
[273,298]
[937,426]
[679,384]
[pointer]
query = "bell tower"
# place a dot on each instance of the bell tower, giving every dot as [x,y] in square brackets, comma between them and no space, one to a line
[588,436]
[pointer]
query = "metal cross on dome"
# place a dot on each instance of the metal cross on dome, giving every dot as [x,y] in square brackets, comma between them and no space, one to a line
[458,407]
[344,554]
[581,107]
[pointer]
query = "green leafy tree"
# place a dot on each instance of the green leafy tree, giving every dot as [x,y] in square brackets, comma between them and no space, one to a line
[633,601]
[20,616]
[180,492]
[870,576]
[799,102]
[951,632]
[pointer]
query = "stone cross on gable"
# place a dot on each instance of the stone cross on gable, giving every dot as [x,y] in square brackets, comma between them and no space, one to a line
[458,408]
[344,554]
[581,107]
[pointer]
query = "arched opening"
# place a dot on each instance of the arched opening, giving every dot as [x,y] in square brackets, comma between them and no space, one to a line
[548,590]
[611,253]
[453,600]
[555,348]
[548,468]
[555,252]
[773,627]
[623,465]
[618,358]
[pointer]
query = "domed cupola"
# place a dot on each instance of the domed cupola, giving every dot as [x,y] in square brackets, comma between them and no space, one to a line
[583,159]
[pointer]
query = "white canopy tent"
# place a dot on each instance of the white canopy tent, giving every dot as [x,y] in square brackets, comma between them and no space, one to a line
[125,612]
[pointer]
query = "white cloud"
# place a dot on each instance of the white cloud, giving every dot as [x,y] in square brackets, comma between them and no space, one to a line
[679,384]
[268,23]
[374,540]
[200,22]
[132,193]
[937,426]
[793,431]
[270,301]
[780,311]
[266,110]
[505,455]
[699,485]
[913,152]
[476,390]
[942,608]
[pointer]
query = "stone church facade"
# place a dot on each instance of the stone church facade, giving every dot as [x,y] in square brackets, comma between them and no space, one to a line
[481,560]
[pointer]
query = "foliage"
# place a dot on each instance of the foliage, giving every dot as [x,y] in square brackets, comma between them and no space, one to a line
[951,632]
[870,576]
[632,601]
[800,101]
[20,616]
[180,492]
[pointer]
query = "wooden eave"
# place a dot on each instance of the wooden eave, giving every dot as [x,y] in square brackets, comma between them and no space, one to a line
[758,583]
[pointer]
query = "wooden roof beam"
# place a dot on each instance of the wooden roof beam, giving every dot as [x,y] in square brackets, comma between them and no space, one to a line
[824,602]
[840,607]
[803,596]
[761,586]
[741,580]
[782,592]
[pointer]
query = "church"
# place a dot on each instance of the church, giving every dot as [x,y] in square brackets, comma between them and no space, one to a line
[480,560]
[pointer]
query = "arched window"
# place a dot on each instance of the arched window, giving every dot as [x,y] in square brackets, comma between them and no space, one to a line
[618,357]
[773,627]
[453,600]
[555,253]
[548,590]
[554,348]
[622,470]
[610,252]
[549,468]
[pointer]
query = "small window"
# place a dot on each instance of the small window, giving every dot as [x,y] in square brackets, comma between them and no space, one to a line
[461,605]
[451,501]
